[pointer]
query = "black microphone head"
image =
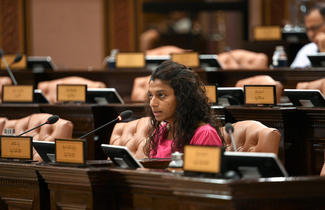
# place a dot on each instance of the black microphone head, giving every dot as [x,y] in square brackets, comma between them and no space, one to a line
[1,53]
[18,58]
[229,128]
[125,115]
[52,119]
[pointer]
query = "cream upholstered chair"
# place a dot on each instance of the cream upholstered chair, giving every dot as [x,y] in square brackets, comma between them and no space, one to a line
[133,135]
[243,59]
[61,129]
[140,89]
[49,87]
[252,136]
[4,81]
[262,80]
[165,50]
[315,84]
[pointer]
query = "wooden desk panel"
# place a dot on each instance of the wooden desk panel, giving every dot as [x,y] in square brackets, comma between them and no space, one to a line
[16,111]
[111,188]
[22,188]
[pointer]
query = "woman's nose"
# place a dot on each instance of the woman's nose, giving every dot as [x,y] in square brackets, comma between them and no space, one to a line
[153,101]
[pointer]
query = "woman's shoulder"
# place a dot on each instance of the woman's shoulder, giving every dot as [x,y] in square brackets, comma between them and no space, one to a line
[206,135]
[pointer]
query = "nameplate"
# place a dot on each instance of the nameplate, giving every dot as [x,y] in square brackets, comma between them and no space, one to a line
[190,59]
[204,159]
[260,94]
[16,147]
[71,93]
[17,94]
[262,33]
[70,151]
[211,92]
[130,60]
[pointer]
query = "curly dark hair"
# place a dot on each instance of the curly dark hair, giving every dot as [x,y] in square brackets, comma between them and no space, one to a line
[192,107]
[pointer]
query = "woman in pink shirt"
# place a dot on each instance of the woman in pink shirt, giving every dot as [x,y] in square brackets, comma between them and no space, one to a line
[180,112]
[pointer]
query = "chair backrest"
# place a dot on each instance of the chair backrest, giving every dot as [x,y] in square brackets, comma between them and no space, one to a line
[315,84]
[252,136]
[140,89]
[4,81]
[49,87]
[61,129]
[262,80]
[243,59]
[165,50]
[133,135]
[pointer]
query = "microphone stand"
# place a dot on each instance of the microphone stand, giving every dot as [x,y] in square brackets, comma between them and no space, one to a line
[9,70]
[102,126]
[32,129]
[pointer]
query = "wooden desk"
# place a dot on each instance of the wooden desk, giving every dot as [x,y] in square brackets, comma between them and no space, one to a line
[21,187]
[109,188]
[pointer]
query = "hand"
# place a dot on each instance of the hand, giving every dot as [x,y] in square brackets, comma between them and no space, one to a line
[320,41]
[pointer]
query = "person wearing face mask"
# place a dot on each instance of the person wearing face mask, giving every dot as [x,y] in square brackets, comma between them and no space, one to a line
[180,112]
[315,29]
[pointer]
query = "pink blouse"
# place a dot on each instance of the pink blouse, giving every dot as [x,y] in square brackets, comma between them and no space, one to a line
[203,135]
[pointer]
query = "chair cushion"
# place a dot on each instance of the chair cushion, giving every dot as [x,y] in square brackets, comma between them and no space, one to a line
[140,89]
[316,84]
[236,59]
[252,136]
[133,135]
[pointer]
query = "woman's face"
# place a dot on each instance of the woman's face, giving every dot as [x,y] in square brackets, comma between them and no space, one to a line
[162,100]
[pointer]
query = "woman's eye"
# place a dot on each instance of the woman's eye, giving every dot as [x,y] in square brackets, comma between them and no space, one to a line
[161,95]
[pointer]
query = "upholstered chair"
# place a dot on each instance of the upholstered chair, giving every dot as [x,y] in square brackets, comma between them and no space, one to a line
[262,80]
[61,129]
[133,135]
[140,89]
[49,87]
[165,50]
[243,59]
[252,136]
[4,81]
[315,84]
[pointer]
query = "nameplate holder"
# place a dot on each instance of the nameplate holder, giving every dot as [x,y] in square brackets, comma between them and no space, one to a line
[260,94]
[189,59]
[211,92]
[71,151]
[130,60]
[16,147]
[202,159]
[17,94]
[71,93]
[266,33]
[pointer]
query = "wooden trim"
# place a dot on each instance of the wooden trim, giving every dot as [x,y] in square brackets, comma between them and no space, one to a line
[28,26]
[12,26]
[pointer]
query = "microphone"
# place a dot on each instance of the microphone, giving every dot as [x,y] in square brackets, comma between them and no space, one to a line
[123,116]
[18,58]
[7,67]
[230,130]
[51,120]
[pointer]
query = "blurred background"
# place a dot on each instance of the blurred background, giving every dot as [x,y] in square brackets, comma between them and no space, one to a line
[79,34]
